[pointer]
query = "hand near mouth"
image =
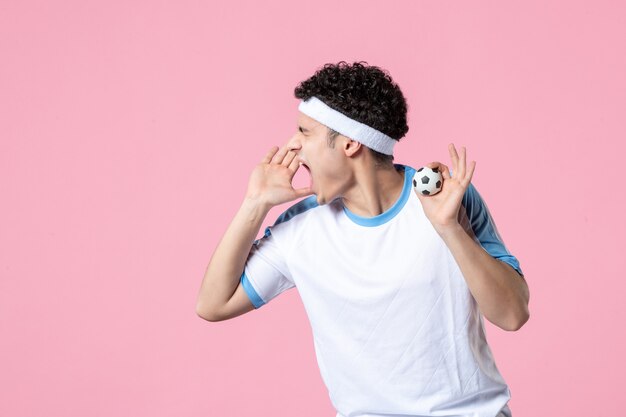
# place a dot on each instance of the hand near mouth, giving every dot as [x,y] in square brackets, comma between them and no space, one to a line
[270,181]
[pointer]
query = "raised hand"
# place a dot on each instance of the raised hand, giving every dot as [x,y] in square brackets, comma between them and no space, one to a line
[442,209]
[270,181]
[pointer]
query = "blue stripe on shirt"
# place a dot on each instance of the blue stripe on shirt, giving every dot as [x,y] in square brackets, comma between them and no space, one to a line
[485,229]
[256,300]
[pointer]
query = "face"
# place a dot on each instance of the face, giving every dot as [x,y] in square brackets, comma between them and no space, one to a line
[328,167]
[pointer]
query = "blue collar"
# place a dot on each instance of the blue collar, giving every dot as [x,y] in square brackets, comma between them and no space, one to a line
[393,210]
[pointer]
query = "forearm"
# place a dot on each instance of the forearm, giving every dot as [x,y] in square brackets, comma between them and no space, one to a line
[228,261]
[500,292]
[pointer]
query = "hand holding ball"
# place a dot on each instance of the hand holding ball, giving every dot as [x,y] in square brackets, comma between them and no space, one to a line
[427,181]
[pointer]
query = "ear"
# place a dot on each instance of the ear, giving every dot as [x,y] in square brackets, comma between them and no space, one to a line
[351,147]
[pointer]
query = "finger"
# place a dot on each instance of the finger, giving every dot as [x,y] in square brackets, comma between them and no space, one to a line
[445,172]
[462,163]
[280,155]
[471,171]
[454,157]
[439,167]
[434,164]
[289,158]
[294,165]
[268,157]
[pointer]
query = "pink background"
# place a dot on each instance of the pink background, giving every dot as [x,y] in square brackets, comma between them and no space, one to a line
[128,131]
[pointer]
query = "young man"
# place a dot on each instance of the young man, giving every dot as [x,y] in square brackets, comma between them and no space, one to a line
[394,283]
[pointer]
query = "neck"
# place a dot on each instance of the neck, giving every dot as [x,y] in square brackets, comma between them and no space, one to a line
[375,189]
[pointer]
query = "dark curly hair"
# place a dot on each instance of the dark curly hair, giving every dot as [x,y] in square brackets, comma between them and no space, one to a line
[362,92]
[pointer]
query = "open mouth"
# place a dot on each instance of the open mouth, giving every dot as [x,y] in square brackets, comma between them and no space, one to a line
[309,171]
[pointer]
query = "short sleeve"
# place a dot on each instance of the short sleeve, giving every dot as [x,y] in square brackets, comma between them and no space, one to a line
[475,217]
[266,274]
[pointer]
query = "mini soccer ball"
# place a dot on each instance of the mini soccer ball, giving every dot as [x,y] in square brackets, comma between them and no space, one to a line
[427,181]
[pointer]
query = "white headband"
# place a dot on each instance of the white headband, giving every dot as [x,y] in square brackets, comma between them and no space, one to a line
[339,122]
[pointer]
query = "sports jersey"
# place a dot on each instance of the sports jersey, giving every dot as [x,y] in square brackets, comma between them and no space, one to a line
[396,330]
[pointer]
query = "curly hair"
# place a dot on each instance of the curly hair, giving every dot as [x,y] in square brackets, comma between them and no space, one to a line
[362,92]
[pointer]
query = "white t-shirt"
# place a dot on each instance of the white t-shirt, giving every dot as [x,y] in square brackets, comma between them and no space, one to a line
[395,327]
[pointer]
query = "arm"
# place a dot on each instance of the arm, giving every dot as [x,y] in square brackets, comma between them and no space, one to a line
[500,292]
[227,263]
[221,295]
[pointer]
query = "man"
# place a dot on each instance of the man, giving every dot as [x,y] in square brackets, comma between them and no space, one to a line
[394,283]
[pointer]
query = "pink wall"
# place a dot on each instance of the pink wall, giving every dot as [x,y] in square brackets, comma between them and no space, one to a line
[128,130]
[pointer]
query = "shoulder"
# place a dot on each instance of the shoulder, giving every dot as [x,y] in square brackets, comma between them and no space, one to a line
[290,223]
[297,209]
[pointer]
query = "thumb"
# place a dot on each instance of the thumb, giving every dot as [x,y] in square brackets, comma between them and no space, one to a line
[303,192]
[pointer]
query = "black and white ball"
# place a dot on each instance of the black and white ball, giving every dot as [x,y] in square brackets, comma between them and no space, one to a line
[427,181]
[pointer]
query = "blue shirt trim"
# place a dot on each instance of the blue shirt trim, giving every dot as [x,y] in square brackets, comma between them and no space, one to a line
[256,300]
[393,210]
[485,229]
[298,208]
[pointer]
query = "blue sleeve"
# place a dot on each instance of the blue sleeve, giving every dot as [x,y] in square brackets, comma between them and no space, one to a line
[484,228]
[255,298]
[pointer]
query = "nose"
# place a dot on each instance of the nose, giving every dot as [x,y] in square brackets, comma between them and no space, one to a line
[294,143]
